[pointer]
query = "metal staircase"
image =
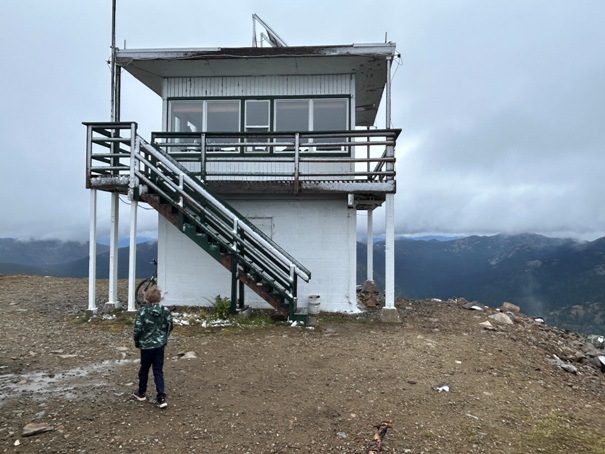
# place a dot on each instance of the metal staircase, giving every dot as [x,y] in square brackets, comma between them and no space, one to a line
[120,160]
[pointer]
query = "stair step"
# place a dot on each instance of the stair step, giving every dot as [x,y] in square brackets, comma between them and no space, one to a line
[215,238]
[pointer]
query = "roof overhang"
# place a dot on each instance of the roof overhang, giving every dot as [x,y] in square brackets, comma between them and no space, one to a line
[368,62]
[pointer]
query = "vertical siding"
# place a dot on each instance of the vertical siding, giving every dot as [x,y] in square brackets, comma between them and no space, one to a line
[202,87]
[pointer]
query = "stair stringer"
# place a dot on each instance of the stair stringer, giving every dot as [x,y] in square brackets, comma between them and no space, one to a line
[279,302]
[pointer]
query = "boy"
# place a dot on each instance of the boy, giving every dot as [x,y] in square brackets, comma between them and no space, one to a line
[152,326]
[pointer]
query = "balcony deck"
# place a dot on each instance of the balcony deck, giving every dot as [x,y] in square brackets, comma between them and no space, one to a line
[360,164]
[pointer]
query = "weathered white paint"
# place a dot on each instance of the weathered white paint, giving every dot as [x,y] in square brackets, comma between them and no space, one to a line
[92,252]
[370,246]
[389,243]
[113,249]
[276,170]
[132,256]
[320,233]
[389,252]
[262,86]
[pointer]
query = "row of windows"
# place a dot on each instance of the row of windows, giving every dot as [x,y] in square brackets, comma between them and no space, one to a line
[259,115]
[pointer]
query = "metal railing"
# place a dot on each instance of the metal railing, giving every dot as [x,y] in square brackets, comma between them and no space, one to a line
[147,168]
[253,248]
[108,151]
[367,155]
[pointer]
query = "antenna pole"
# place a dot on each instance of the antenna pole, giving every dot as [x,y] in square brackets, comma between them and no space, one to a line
[115,77]
[254,30]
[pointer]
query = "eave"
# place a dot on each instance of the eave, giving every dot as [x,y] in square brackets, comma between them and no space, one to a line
[368,62]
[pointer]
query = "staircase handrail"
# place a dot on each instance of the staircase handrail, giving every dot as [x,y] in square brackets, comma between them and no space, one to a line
[237,220]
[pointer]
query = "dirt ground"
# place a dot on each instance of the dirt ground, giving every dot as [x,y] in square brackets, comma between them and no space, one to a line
[447,383]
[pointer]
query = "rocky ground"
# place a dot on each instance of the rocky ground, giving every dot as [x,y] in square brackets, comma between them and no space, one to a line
[447,381]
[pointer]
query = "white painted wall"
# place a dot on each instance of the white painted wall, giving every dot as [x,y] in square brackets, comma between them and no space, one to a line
[319,233]
[200,87]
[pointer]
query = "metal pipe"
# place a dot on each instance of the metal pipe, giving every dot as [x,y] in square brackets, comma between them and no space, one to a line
[113,60]
[92,253]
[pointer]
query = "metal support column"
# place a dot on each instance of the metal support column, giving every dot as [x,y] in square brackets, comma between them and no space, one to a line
[132,257]
[92,253]
[241,297]
[389,253]
[370,246]
[133,189]
[389,312]
[234,286]
[115,198]
[113,250]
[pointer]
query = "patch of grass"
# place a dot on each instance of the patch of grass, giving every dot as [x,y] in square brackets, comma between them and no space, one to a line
[563,432]
[189,321]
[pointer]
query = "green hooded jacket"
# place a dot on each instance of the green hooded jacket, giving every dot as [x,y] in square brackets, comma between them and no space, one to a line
[152,326]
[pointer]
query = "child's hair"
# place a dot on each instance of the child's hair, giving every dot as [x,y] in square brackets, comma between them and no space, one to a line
[153,295]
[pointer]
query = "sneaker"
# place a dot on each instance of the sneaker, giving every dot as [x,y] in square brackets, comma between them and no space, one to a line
[138,396]
[161,402]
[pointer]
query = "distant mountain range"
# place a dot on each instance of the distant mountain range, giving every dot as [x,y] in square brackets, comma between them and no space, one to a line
[562,280]
[68,258]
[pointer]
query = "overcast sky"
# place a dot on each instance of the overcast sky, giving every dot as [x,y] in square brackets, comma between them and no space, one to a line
[502,104]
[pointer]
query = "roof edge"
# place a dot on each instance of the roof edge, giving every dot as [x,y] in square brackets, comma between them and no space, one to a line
[382,49]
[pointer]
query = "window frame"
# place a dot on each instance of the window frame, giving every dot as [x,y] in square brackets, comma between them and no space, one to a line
[271,100]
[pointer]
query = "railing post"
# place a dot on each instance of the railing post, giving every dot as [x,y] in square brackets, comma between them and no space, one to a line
[296,162]
[203,158]
[134,165]
[368,148]
[133,194]
[181,187]
[390,164]
[89,132]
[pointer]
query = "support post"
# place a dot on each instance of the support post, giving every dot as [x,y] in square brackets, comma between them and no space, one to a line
[115,200]
[113,251]
[389,312]
[370,250]
[234,285]
[133,190]
[241,302]
[132,257]
[92,254]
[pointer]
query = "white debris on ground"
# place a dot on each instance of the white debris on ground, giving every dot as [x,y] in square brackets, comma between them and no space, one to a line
[191,319]
[194,319]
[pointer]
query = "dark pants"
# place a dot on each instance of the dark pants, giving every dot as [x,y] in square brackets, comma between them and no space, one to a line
[154,358]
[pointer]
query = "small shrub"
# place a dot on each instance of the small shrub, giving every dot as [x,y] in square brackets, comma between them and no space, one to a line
[222,307]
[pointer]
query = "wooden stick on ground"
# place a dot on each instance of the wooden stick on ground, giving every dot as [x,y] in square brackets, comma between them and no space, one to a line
[375,446]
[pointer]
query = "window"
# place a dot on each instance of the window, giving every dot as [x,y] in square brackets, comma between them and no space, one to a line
[222,116]
[257,120]
[261,116]
[257,116]
[186,116]
[292,115]
[329,115]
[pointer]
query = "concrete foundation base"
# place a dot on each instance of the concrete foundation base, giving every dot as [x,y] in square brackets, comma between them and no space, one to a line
[110,307]
[244,313]
[389,315]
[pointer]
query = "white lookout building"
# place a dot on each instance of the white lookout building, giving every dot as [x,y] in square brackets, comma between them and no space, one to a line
[265,157]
